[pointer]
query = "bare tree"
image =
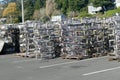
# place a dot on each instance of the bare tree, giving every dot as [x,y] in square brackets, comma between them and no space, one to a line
[50,7]
[39,14]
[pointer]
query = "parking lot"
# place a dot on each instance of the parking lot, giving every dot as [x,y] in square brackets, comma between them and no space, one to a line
[17,68]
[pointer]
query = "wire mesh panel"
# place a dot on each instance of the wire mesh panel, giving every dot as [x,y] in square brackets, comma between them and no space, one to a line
[74,37]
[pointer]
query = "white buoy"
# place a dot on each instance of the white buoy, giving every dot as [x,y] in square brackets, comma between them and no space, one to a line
[1,44]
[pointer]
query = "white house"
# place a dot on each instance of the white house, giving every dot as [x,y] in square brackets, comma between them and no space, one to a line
[92,9]
[58,18]
[117,3]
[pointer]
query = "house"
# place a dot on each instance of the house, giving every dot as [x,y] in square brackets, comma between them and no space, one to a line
[117,3]
[93,10]
[3,20]
[58,18]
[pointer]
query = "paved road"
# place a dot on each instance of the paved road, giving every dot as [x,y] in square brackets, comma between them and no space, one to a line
[16,68]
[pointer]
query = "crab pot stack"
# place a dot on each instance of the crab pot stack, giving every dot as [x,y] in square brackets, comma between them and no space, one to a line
[22,37]
[57,39]
[117,36]
[15,38]
[89,38]
[49,42]
[98,35]
[94,40]
[45,42]
[111,36]
[10,34]
[30,46]
[3,29]
[6,36]
[37,38]
[72,39]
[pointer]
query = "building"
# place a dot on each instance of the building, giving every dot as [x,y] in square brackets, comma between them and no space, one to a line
[58,18]
[93,10]
[117,3]
[3,20]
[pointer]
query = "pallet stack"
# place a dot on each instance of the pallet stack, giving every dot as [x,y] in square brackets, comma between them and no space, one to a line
[77,39]
[10,35]
[50,40]
[22,37]
[72,38]
[89,38]
[116,40]
[57,39]
[45,41]
[30,46]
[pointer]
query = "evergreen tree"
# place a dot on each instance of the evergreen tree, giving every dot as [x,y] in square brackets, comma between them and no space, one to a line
[106,4]
[29,9]
[60,6]
[64,6]
[70,5]
[39,4]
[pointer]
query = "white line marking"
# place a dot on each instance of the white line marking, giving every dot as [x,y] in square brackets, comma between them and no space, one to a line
[25,60]
[101,71]
[69,62]
[20,67]
[2,57]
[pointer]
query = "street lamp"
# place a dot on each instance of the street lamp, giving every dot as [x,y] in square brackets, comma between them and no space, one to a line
[22,11]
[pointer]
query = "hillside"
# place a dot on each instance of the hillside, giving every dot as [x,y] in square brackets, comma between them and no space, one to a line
[44,9]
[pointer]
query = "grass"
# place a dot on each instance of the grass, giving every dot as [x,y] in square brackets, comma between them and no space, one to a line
[107,14]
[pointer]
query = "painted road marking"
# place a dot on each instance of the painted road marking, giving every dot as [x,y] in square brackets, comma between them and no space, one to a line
[101,71]
[48,66]
[20,61]
[2,57]
[20,67]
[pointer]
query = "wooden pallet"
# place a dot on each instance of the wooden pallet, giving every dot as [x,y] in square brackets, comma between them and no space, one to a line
[112,57]
[20,54]
[111,54]
[24,55]
[99,54]
[63,56]
[77,57]
[31,56]
[95,55]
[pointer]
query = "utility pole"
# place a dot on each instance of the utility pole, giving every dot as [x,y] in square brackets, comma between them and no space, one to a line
[22,11]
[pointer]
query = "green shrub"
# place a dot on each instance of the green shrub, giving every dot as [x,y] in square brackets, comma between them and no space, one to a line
[84,14]
[111,12]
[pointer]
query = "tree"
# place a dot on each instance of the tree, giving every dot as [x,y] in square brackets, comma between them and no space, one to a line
[11,12]
[65,6]
[58,4]
[11,8]
[1,10]
[77,5]
[29,9]
[70,5]
[104,3]
[36,15]
[50,7]
[39,4]
[39,14]
[6,2]
[56,12]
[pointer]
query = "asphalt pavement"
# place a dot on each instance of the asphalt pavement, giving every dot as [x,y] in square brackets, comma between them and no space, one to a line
[17,68]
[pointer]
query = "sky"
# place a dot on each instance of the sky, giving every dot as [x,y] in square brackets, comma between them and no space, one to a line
[1,0]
